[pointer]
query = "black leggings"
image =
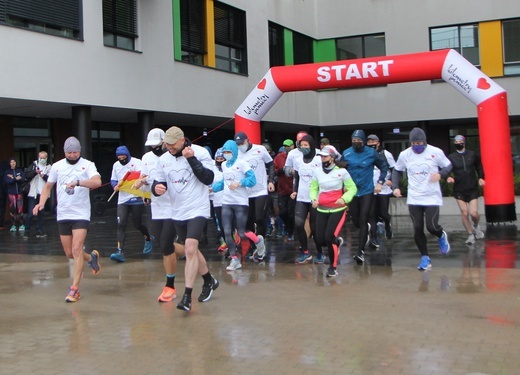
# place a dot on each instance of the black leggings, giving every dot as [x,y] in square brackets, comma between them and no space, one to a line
[380,204]
[123,210]
[418,215]
[328,226]
[359,212]
[300,216]
[257,214]
[286,207]
[164,231]
[234,215]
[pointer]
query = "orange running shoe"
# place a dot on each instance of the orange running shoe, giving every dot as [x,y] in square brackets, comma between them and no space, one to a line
[168,294]
[73,295]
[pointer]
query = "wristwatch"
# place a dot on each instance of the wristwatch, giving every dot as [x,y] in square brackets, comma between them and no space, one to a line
[380,182]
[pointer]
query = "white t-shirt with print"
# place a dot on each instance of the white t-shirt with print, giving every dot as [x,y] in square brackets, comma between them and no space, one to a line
[74,206]
[419,168]
[306,172]
[257,157]
[385,190]
[161,205]
[188,195]
[235,173]
[118,173]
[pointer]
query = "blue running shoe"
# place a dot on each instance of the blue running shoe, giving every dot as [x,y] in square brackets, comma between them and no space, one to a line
[425,264]
[320,258]
[444,245]
[148,245]
[94,262]
[118,257]
[304,258]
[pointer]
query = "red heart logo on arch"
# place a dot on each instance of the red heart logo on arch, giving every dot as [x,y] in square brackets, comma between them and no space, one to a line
[262,84]
[483,84]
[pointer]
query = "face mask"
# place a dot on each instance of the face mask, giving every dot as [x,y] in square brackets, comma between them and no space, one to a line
[305,151]
[326,164]
[72,162]
[124,161]
[228,156]
[158,151]
[358,146]
[418,149]
[42,161]
[373,146]
[242,148]
[459,146]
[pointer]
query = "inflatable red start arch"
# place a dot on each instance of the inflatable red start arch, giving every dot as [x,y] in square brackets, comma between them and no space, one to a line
[449,65]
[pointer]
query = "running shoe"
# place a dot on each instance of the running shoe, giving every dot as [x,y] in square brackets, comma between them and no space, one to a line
[374,243]
[479,233]
[290,238]
[425,264]
[304,257]
[168,294]
[118,257]
[471,239]
[94,262]
[207,290]
[320,258]
[444,245]
[260,246]
[73,295]
[258,258]
[185,303]
[234,264]
[22,228]
[13,228]
[359,257]
[41,234]
[148,245]
[331,272]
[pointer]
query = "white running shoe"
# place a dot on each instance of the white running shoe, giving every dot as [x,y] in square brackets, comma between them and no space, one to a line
[260,246]
[234,265]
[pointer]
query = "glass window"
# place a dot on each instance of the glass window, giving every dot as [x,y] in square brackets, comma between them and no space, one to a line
[120,23]
[230,38]
[54,17]
[359,47]
[276,45]
[464,39]
[511,37]
[193,31]
[302,49]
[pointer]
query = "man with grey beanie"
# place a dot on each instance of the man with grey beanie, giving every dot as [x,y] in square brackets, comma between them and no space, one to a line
[425,166]
[73,176]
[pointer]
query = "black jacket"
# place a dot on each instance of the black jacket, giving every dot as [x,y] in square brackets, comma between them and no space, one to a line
[467,169]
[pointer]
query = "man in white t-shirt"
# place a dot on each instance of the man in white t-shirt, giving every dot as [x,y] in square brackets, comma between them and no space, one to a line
[425,165]
[73,177]
[184,173]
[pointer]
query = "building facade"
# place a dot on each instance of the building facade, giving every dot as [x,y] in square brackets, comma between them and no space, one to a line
[107,71]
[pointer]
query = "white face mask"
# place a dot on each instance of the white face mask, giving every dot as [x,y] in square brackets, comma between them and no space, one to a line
[242,148]
[42,161]
[228,156]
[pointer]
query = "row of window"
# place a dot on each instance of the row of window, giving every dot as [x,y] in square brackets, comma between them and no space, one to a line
[228,28]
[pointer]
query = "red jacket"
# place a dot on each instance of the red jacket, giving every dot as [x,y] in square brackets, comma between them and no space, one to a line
[285,184]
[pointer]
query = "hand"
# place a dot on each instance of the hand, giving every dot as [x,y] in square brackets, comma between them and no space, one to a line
[481,182]
[139,182]
[340,202]
[18,178]
[293,195]
[188,152]
[388,183]
[116,188]
[36,209]
[160,189]
[397,193]
[234,185]
[377,188]
[450,180]
[270,187]
[314,204]
[71,185]
[434,177]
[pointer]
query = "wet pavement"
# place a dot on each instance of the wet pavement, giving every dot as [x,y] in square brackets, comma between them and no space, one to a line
[384,317]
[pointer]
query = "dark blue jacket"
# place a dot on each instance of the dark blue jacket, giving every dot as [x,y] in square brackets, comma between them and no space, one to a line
[360,166]
[13,186]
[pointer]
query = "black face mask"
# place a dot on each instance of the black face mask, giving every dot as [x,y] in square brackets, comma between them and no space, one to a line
[124,161]
[72,162]
[357,146]
[218,163]
[158,150]
[373,146]
[326,164]
[459,146]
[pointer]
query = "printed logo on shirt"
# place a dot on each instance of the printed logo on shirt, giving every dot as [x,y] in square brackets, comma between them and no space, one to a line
[419,172]
[253,164]
[179,179]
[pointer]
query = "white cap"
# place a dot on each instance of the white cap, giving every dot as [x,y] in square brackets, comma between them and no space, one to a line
[155,137]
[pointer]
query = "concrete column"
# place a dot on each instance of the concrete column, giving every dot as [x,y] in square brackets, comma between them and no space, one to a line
[145,122]
[82,128]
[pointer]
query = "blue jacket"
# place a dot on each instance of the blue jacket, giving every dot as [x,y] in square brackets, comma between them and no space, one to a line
[12,185]
[360,166]
[248,181]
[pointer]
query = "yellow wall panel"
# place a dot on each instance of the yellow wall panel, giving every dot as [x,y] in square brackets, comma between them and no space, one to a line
[491,54]
[209,59]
